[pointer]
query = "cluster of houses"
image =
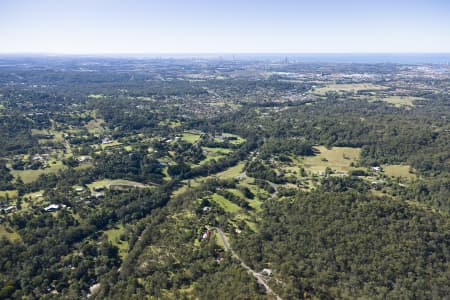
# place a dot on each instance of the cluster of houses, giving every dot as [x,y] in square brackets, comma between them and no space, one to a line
[376,169]
[54,207]
[107,140]
[8,209]
[41,158]
[84,158]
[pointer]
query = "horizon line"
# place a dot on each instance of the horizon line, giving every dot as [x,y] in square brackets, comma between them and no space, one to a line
[214,53]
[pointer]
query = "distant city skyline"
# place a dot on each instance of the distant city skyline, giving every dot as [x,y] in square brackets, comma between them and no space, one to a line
[200,26]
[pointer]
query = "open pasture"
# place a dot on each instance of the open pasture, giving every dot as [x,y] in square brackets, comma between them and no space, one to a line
[336,158]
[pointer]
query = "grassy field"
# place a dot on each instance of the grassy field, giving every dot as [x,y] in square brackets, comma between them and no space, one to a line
[39,131]
[237,193]
[35,197]
[231,172]
[58,135]
[106,183]
[191,137]
[210,157]
[254,203]
[114,237]
[113,144]
[356,87]
[95,126]
[214,153]
[227,205]
[218,150]
[85,165]
[30,199]
[12,194]
[253,226]
[337,158]
[399,171]
[174,124]
[401,100]
[8,233]
[32,175]
[218,240]
[239,140]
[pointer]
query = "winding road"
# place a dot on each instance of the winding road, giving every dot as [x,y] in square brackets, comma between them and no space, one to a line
[258,276]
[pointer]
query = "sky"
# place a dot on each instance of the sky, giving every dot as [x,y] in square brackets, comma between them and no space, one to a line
[219,26]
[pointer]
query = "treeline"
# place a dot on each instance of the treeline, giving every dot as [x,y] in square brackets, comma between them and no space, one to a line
[124,115]
[135,165]
[16,135]
[284,147]
[259,170]
[5,177]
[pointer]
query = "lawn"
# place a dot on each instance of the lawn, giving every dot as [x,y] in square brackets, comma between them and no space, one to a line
[217,150]
[85,165]
[218,240]
[237,193]
[174,124]
[35,195]
[114,238]
[231,172]
[253,226]
[210,157]
[399,171]
[227,205]
[336,158]
[32,175]
[12,194]
[8,233]
[191,137]
[401,100]
[39,131]
[214,153]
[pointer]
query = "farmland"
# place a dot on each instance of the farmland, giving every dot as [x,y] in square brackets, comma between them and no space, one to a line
[336,158]
[399,171]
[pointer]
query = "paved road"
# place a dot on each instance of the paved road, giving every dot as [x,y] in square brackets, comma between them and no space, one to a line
[258,276]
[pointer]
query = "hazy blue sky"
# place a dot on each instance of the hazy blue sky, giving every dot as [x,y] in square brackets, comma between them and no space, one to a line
[244,26]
